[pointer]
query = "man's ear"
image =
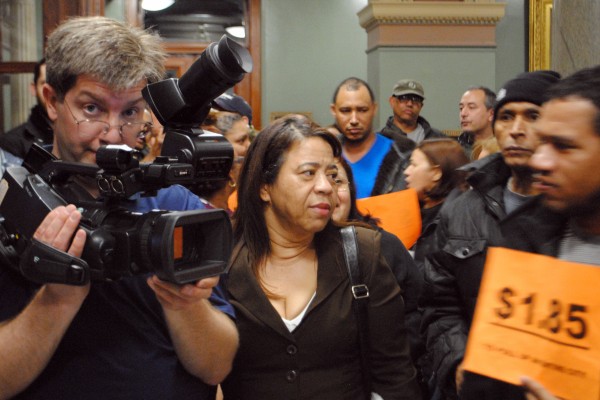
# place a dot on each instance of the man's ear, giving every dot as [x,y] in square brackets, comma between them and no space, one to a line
[392,100]
[491,114]
[332,109]
[32,89]
[49,95]
[264,193]
[437,174]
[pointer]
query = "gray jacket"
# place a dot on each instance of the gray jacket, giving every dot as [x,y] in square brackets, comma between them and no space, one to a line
[393,132]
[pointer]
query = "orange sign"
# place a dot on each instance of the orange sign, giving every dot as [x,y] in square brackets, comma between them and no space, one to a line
[232,202]
[538,316]
[399,213]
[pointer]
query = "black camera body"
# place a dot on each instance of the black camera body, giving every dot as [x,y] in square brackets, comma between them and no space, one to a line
[178,246]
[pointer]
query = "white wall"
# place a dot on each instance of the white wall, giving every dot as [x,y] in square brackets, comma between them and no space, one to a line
[444,72]
[309,46]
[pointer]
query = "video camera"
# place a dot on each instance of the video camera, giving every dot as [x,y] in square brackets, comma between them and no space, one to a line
[178,246]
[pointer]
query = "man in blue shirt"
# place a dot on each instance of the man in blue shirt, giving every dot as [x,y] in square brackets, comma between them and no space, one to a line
[135,338]
[377,162]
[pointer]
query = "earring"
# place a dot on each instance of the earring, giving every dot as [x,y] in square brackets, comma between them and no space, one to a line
[232,184]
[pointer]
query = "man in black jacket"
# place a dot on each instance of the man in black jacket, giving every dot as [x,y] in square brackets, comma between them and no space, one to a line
[37,128]
[501,183]
[406,102]
[476,116]
[564,221]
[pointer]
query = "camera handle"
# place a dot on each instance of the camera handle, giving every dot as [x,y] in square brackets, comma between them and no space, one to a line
[45,264]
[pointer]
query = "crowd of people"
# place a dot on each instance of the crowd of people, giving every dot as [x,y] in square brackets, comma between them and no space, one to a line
[286,321]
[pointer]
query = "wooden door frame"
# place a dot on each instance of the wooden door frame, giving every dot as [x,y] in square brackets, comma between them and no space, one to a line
[181,54]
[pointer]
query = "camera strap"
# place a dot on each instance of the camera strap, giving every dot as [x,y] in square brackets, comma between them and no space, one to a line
[45,264]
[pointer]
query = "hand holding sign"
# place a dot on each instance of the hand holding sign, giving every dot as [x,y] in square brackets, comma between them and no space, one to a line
[538,316]
[535,391]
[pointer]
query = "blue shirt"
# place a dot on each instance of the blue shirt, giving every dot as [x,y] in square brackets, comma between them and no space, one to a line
[366,169]
[8,160]
[173,198]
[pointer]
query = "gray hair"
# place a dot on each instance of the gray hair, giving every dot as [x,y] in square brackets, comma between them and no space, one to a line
[114,53]
[490,96]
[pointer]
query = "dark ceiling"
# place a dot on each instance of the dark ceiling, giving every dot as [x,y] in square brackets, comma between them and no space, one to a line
[196,20]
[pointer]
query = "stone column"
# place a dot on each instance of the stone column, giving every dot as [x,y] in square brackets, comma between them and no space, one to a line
[446,45]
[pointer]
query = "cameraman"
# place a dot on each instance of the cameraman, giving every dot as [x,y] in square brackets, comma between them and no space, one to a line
[135,338]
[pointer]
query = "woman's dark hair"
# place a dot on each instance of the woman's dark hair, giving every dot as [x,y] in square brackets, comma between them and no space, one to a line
[448,155]
[264,159]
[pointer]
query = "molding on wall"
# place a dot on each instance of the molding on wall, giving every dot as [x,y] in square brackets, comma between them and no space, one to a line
[540,20]
[431,23]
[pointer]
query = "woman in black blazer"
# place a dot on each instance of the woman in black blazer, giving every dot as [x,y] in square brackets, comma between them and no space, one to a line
[289,284]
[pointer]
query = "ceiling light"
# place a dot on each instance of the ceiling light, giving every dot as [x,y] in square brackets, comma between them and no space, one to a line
[156,5]
[236,31]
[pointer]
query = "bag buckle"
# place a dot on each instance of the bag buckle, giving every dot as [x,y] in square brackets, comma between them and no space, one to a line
[360,291]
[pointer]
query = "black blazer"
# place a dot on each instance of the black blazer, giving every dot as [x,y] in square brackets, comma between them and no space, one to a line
[320,359]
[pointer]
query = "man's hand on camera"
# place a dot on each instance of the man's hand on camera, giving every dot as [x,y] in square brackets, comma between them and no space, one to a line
[31,338]
[57,231]
[179,297]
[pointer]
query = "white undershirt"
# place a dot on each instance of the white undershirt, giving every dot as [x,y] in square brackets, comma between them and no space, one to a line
[292,324]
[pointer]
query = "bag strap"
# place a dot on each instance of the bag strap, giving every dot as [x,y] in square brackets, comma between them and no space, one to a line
[360,294]
[224,278]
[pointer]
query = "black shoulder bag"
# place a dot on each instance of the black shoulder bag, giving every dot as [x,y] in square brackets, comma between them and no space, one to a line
[360,292]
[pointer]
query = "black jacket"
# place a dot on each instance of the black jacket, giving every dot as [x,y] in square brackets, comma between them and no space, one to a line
[467,226]
[410,280]
[544,239]
[391,173]
[37,129]
[390,177]
[393,132]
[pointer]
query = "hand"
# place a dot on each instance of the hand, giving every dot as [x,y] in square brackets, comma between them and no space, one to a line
[460,377]
[178,297]
[536,391]
[57,230]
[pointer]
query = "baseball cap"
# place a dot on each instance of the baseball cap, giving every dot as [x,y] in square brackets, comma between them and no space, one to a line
[408,86]
[233,103]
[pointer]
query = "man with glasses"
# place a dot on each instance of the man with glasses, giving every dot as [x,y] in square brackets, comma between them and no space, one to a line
[137,337]
[132,130]
[407,102]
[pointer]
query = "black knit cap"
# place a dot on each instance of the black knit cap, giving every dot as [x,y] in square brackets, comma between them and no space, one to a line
[528,86]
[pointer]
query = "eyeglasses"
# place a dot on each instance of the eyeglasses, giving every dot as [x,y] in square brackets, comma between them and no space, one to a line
[405,98]
[131,130]
[341,185]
